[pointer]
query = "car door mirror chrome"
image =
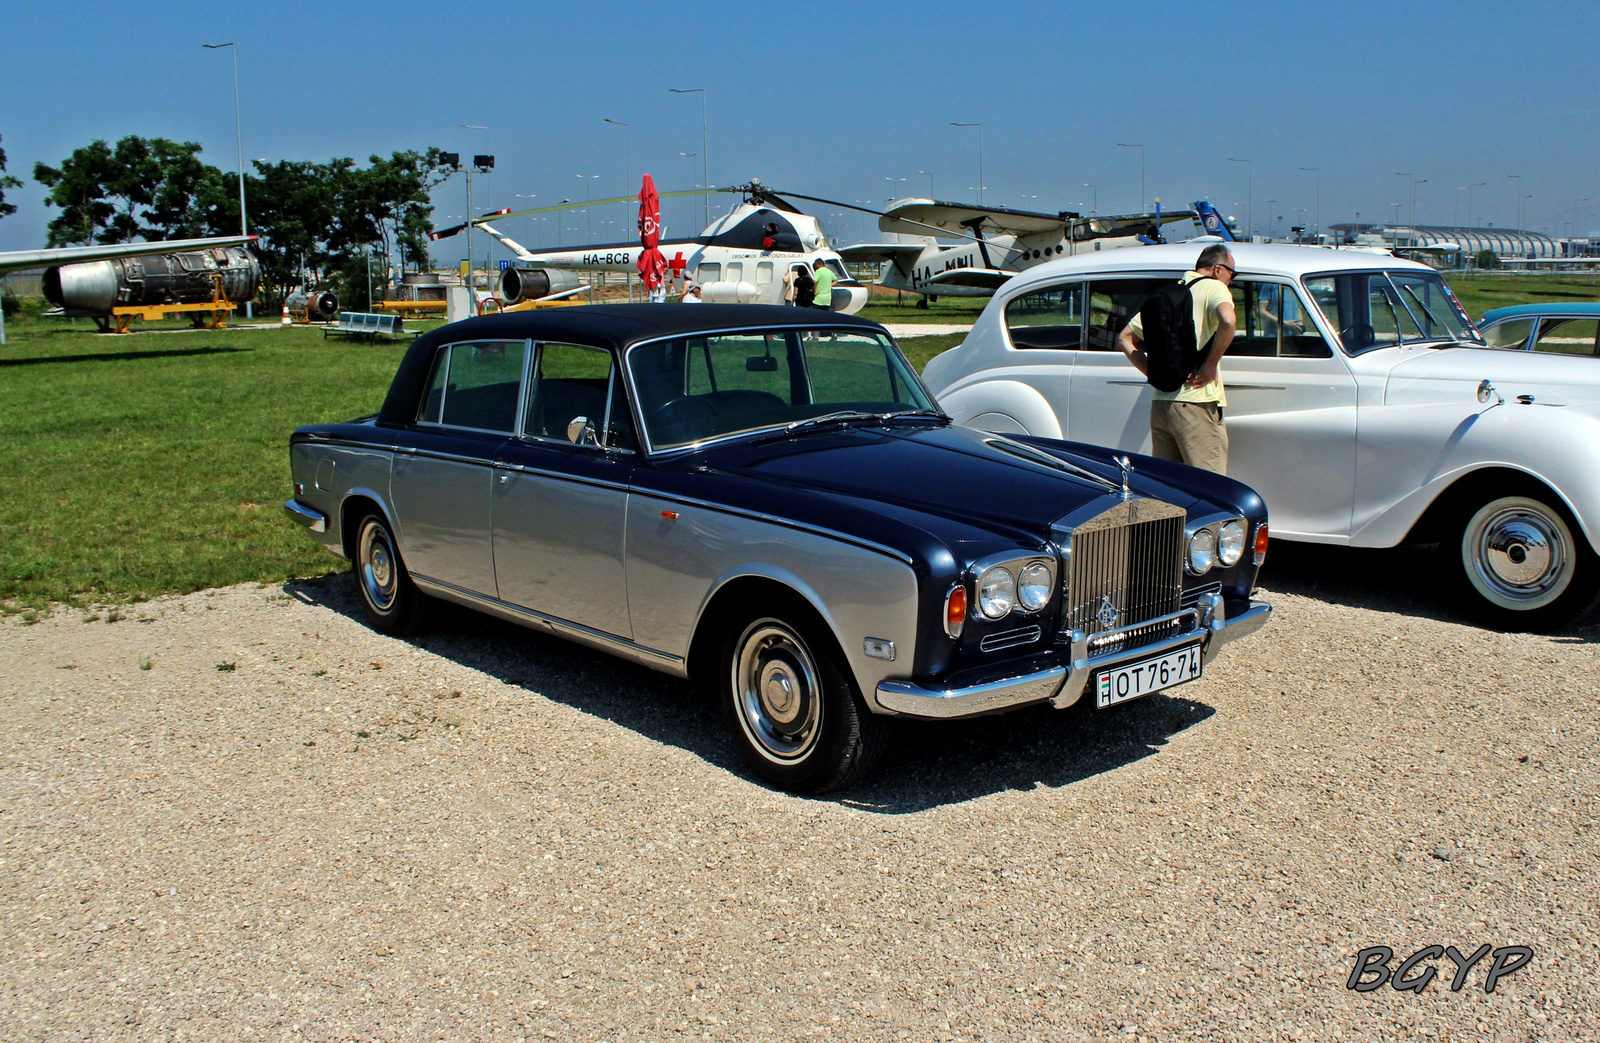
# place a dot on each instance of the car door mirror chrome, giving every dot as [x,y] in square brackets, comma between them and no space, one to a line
[581,432]
[1486,391]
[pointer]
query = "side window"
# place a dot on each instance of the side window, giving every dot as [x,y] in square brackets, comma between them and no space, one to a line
[570,382]
[1112,303]
[1273,321]
[433,403]
[482,385]
[1050,318]
[763,273]
[1513,333]
[708,273]
[735,271]
[1567,336]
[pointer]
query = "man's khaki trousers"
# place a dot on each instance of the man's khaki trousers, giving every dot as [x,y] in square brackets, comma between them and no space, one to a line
[1189,433]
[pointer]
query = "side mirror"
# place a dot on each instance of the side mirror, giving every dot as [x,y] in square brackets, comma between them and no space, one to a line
[1486,391]
[581,432]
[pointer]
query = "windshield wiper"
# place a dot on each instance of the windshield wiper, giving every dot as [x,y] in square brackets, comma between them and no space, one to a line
[844,416]
[1429,313]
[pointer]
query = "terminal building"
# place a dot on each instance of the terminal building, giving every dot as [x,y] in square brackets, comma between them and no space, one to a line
[1508,244]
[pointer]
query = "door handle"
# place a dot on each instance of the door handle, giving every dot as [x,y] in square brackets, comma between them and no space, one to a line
[504,478]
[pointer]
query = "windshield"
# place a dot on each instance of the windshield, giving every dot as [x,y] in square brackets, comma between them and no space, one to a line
[1384,309]
[692,389]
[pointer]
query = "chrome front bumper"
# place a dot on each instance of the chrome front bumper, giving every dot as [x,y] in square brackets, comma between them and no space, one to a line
[1063,684]
[315,521]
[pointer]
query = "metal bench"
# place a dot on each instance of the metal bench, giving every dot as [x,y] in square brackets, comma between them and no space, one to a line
[366,324]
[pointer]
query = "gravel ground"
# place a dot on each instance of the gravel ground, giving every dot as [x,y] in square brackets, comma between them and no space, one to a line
[242,814]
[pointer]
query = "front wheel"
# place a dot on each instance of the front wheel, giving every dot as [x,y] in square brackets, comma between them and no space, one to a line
[793,709]
[394,604]
[1520,559]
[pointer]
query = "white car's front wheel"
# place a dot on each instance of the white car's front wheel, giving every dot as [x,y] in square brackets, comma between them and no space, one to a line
[1523,561]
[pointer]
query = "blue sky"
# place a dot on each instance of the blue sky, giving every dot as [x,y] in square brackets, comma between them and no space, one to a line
[833,99]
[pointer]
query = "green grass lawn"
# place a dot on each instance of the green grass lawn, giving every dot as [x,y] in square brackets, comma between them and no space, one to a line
[157,462]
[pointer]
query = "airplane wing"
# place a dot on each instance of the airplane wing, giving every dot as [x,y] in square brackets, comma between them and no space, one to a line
[1113,225]
[977,278]
[924,216]
[18,260]
[901,254]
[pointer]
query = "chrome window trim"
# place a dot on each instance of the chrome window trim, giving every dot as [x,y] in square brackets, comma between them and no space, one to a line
[1082,278]
[516,420]
[648,447]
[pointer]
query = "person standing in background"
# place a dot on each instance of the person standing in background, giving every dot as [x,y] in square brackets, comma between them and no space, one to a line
[824,278]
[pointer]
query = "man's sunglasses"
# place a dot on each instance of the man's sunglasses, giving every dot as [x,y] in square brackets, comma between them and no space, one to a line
[1231,269]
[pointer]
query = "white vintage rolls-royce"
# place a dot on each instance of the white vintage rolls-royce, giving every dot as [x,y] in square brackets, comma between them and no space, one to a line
[1362,405]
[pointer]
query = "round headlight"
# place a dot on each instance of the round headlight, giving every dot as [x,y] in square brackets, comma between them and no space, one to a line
[1230,545]
[997,592]
[1033,586]
[1202,551]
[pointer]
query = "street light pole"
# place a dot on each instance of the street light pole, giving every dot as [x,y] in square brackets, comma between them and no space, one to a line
[1518,179]
[1269,217]
[1412,219]
[238,133]
[705,150]
[1475,184]
[1249,194]
[1141,171]
[980,156]
[587,179]
[1318,171]
[1096,190]
[627,161]
[470,126]
[930,181]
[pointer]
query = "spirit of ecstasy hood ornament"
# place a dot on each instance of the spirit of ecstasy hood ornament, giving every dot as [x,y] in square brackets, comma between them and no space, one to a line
[1127,471]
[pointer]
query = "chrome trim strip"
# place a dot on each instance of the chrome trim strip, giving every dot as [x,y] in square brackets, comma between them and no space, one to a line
[1064,685]
[786,523]
[562,476]
[1135,383]
[618,646]
[1257,387]
[316,521]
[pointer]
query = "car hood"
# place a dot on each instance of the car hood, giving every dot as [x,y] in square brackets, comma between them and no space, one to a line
[986,481]
[1452,375]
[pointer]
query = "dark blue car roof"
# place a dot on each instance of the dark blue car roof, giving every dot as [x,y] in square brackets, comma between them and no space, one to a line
[1581,308]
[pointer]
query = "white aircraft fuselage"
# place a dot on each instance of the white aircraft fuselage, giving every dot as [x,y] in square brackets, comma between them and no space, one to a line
[937,269]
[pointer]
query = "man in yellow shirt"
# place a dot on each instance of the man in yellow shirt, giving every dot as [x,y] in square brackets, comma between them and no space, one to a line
[1186,425]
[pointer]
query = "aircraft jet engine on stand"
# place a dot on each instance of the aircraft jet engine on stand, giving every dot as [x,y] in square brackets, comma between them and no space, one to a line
[73,259]
[740,258]
[94,288]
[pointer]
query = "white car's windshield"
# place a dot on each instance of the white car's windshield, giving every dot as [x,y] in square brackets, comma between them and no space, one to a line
[691,389]
[1382,309]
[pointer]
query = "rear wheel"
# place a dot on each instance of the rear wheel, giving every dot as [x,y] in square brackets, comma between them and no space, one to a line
[792,706]
[1520,559]
[394,604]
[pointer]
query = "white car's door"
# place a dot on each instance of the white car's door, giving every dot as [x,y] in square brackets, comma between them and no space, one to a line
[1291,413]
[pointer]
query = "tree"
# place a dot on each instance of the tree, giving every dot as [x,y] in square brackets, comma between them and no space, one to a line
[78,187]
[6,181]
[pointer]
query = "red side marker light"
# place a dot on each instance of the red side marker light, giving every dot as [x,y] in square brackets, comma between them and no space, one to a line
[670,515]
[1261,543]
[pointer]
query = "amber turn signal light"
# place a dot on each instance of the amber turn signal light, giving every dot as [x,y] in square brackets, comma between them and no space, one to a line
[1261,543]
[955,611]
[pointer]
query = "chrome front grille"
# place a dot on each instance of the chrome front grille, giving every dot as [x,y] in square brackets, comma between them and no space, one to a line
[1123,567]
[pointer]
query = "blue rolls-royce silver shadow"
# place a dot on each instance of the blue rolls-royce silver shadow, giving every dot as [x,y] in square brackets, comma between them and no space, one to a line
[767,500]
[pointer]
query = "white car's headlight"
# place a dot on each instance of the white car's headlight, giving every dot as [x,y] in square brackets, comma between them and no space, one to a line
[1202,551]
[1230,544]
[997,592]
[1033,585]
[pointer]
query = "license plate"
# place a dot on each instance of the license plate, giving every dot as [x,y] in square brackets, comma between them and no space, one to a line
[1122,683]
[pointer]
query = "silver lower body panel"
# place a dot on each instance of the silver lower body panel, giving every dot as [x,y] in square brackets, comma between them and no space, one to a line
[1062,683]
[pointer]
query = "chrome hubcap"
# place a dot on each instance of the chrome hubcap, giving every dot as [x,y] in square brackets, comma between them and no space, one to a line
[777,692]
[378,574]
[1517,553]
